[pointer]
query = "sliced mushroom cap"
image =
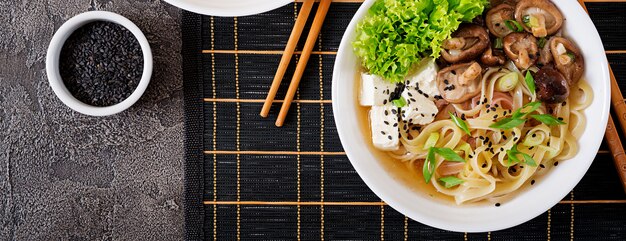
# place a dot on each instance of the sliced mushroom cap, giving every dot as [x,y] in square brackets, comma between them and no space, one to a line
[467,43]
[522,49]
[567,59]
[539,17]
[459,82]
[493,57]
[496,17]
[552,86]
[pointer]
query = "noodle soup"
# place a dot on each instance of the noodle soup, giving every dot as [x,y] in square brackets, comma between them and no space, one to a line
[483,113]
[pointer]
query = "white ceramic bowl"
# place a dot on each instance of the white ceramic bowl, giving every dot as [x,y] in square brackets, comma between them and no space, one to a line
[526,204]
[229,8]
[54,52]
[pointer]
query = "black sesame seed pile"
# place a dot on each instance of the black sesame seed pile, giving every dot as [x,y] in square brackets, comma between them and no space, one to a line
[101,63]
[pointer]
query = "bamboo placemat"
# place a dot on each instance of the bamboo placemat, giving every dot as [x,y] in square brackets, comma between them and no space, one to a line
[245,179]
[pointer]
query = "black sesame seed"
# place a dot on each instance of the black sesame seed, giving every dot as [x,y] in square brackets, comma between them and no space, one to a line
[501,149]
[413,99]
[462,116]
[487,106]
[478,102]
[394,111]
[409,93]
[422,114]
[452,87]
[515,139]
[493,108]
[453,72]
[497,24]
[382,132]
[390,138]
[487,111]
[497,204]
[547,144]
[433,114]
[101,63]
[485,100]
[504,137]
[386,112]
[445,81]
[496,105]
[542,166]
[481,137]
[495,116]
[425,95]
[564,103]
[484,165]
[384,102]
[386,122]
[395,124]
[521,167]
[414,128]
[560,118]
[556,163]
[532,182]
[470,156]
[534,135]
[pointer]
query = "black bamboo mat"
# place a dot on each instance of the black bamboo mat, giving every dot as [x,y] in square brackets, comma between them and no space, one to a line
[246,179]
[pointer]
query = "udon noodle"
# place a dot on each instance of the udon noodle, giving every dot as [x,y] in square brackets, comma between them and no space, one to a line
[486,173]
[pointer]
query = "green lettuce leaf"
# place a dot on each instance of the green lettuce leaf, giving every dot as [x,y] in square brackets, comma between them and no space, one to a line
[398,33]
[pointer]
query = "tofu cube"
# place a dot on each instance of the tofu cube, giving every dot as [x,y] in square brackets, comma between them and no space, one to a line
[384,124]
[375,90]
[424,80]
[418,110]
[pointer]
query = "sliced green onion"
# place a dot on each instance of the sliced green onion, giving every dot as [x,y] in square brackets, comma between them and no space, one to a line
[429,165]
[548,119]
[448,154]
[507,123]
[530,82]
[533,139]
[529,160]
[451,181]
[432,140]
[507,82]
[572,56]
[460,123]
[401,102]
[498,44]
[542,42]
[465,148]
[513,25]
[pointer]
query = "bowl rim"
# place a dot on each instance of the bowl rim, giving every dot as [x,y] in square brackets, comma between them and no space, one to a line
[379,182]
[228,12]
[54,51]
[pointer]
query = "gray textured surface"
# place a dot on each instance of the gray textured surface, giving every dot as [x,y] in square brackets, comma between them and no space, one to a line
[67,176]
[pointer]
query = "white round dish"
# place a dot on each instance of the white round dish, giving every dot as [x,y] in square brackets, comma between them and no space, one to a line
[54,52]
[229,8]
[526,204]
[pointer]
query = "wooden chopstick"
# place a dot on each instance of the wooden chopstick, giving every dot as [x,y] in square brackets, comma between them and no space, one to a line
[289,49]
[615,145]
[617,102]
[304,58]
[611,135]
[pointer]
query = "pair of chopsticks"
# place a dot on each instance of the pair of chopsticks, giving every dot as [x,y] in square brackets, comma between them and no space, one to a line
[304,57]
[611,135]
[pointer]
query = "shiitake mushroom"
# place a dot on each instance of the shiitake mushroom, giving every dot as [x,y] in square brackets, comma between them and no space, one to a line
[551,86]
[467,43]
[539,17]
[459,82]
[567,59]
[522,49]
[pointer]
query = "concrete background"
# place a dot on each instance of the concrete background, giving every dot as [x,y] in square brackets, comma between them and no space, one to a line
[67,176]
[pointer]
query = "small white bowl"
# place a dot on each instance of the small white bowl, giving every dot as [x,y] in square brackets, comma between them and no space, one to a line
[54,52]
[525,204]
